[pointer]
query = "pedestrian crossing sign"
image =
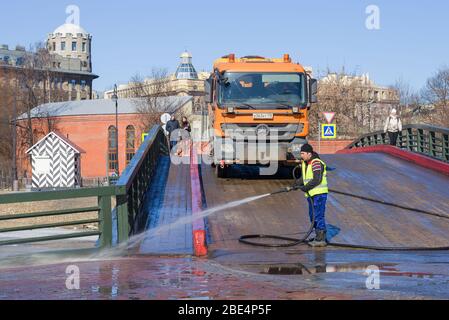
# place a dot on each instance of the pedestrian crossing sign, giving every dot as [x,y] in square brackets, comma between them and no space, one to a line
[329,131]
[144,136]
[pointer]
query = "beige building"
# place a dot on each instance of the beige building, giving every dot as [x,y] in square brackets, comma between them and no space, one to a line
[64,72]
[367,89]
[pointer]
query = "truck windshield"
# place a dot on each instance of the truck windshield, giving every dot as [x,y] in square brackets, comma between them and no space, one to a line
[262,89]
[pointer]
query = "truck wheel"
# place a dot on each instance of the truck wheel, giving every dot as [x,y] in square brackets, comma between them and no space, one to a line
[296,172]
[221,173]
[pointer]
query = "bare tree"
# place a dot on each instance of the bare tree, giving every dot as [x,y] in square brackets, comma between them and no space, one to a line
[152,97]
[436,94]
[337,93]
[23,88]
[6,102]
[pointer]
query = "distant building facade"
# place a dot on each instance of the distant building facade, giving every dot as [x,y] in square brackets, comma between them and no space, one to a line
[367,89]
[67,69]
[185,82]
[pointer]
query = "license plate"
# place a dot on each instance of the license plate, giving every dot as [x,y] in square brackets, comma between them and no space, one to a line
[263,116]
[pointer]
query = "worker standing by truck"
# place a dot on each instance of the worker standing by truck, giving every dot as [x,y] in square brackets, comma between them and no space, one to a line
[314,183]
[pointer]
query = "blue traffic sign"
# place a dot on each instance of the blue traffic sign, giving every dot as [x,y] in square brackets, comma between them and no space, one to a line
[329,131]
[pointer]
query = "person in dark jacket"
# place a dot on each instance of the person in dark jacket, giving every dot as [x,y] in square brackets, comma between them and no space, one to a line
[186,125]
[314,183]
[171,127]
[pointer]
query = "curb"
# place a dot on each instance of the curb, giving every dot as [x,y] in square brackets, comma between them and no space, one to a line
[418,159]
[199,228]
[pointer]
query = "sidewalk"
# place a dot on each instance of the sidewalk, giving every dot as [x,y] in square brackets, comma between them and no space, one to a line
[169,200]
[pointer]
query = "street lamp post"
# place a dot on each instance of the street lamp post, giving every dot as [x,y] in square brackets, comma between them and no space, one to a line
[115,99]
[15,184]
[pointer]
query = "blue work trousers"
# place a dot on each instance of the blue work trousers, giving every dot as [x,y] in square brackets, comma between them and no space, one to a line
[318,203]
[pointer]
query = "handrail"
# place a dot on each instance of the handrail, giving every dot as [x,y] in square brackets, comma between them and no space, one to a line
[135,181]
[103,211]
[431,141]
[56,195]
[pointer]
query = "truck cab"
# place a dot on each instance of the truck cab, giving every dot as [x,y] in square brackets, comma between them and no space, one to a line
[258,110]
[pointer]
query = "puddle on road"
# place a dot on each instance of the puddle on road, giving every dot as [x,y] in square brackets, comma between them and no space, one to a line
[384,269]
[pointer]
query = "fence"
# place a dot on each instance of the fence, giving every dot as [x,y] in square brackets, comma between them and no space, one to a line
[129,191]
[427,140]
[5,180]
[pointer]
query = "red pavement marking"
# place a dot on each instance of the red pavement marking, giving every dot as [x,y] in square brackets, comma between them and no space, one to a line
[199,229]
[418,159]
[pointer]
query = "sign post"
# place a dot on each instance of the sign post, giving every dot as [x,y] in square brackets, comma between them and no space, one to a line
[319,137]
[329,130]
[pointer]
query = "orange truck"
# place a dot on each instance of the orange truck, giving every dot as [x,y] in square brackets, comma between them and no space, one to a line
[258,111]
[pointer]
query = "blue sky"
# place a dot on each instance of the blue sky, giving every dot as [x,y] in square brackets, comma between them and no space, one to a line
[134,36]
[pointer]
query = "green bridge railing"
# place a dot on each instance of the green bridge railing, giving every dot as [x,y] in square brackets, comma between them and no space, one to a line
[103,209]
[129,192]
[134,182]
[427,140]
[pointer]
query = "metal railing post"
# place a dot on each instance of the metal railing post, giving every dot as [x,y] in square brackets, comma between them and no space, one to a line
[400,139]
[123,219]
[420,139]
[105,214]
[446,147]
[410,142]
[431,151]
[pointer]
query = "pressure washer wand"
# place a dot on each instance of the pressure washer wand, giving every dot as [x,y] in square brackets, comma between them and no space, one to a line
[285,190]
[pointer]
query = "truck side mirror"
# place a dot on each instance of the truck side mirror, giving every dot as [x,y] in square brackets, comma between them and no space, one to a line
[208,88]
[313,90]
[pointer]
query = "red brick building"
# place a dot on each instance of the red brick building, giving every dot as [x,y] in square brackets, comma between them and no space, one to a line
[90,125]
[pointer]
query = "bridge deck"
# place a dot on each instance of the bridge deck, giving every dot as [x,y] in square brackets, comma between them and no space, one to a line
[170,200]
[375,175]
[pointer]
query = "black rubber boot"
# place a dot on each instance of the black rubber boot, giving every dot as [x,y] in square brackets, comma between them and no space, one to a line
[320,240]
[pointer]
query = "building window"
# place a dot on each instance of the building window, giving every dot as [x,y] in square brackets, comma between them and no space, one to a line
[63,46]
[112,149]
[73,83]
[113,163]
[84,47]
[20,61]
[73,46]
[130,144]
[54,46]
[83,84]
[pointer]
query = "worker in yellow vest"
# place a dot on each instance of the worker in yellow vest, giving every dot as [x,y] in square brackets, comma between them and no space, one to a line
[314,183]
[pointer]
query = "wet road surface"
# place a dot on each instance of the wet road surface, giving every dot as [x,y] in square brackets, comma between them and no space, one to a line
[236,271]
[144,278]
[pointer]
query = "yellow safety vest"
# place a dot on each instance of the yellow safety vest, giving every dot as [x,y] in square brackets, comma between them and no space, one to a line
[308,176]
